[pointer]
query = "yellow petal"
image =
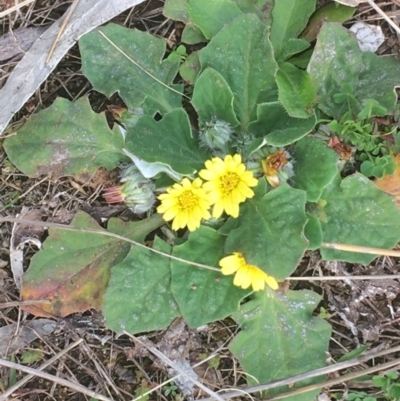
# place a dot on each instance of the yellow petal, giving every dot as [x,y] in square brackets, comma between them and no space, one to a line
[242,278]
[193,223]
[271,282]
[258,283]
[170,214]
[218,209]
[207,175]
[230,264]
[237,158]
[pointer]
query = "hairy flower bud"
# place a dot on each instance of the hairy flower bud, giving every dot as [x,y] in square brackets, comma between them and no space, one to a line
[216,135]
[136,190]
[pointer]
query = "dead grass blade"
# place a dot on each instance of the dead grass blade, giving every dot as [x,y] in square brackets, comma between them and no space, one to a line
[318,372]
[37,372]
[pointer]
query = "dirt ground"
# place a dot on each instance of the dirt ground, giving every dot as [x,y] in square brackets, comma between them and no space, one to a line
[360,312]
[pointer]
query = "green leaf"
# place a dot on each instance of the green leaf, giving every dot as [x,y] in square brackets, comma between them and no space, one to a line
[292,47]
[302,59]
[212,98]
[73,268]
[262,8]
[313,232]
[211,16]
[358,213]
[190,68]
[296,91]
[280,338]
[130,62]
[243,48]
[176,10]
[203,295]
[315,167]
[270,232]
[355,353]
[330,12]
[169,142]
[278,128]
[65,139]
[339,67]
[289,19]
[192,35]
[394,391]
[138,297]
[31,356]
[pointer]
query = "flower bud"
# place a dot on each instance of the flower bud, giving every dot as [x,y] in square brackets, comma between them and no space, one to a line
[136,190]
[216,135]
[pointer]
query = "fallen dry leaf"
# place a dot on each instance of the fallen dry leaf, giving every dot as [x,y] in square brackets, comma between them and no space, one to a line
[390,183]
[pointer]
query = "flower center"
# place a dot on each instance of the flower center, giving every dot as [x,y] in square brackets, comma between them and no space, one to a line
[228,182]
[187,200]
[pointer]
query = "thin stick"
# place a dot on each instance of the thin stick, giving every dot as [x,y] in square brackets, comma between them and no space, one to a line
[343,247]
[37,372]
[361,249]
[107,234]
[173,365]
[15,8]
[336,278]
[62,29]
[314,373]
[13,304]
[339,380]
[385,17]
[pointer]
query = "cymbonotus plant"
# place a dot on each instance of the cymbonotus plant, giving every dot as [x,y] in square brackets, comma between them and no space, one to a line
[217,144]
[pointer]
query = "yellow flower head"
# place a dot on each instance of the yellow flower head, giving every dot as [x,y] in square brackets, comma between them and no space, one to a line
[186,204]
[246,275]
[228,184]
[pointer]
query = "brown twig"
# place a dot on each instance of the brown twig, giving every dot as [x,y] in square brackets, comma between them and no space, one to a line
[318,372]
[62,29]
[33,372]
[383,14]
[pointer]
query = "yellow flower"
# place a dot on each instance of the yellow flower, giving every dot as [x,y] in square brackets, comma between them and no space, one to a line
[186,204]
[246,275]
[228,184]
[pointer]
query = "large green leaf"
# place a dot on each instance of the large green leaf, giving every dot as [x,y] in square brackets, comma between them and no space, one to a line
[292,47]
[190,68]
[212,98]
[176,10]
[192,34]
[73,268]
[243,55]
[289,18]
[65,139]
[138,297]
[345,77]
[329,12]
[211,16]
[128,61]
[313,232]
[358,213]
[278,128]
[296,91]
[280,338]
[169,142]
[270,232]
[262,8]
[315,167]
[203,295]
